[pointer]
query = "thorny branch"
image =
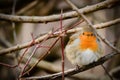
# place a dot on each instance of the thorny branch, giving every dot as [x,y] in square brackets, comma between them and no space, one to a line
[41,38]
[38,19]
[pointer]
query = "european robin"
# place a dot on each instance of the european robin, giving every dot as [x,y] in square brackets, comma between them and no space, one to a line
[83,48]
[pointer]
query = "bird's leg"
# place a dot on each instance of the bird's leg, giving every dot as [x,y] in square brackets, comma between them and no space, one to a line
[77,67]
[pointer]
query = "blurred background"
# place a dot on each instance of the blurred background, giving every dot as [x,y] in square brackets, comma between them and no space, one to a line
[52,63]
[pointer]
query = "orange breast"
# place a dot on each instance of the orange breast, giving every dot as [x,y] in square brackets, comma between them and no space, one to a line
[88,41]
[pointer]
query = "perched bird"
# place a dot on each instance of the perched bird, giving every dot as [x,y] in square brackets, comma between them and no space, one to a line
[83,48]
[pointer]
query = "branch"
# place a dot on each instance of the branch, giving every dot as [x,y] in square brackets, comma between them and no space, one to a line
[43,64]
[91,25]
[74,70]
[38,19]
[41,38]
[107,24]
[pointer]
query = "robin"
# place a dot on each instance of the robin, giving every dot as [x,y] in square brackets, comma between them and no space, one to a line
[83,48]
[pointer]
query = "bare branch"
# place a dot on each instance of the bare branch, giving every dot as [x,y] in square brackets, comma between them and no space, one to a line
[38,19]
[13,23]
[74,70]
[91,25]
[41,38]
[43,64]
[107,24]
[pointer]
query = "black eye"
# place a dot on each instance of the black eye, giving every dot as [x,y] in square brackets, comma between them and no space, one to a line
[91,34]
[83,33]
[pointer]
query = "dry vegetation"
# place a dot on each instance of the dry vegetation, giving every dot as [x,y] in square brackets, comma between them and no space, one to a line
[33,34]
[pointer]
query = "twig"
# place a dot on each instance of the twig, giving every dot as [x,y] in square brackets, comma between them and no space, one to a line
[94,30]
[4,43]
[62,44]
[24,45]
[33,52]
[27,7]
[43,64]
[106,24]
[20,59]
[41,57]
[91,25]
[74,70]
[29,59]
[13,23]
[115,70]
[111,78]
[36,19]
[41,38]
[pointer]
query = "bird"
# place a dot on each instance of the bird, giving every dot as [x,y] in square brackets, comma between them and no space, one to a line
[83,47]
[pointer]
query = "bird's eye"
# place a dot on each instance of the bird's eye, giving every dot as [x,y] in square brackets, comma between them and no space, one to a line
[83,33]
[91,34]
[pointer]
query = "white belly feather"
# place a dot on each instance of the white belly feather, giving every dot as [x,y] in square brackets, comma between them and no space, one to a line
[86,57]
